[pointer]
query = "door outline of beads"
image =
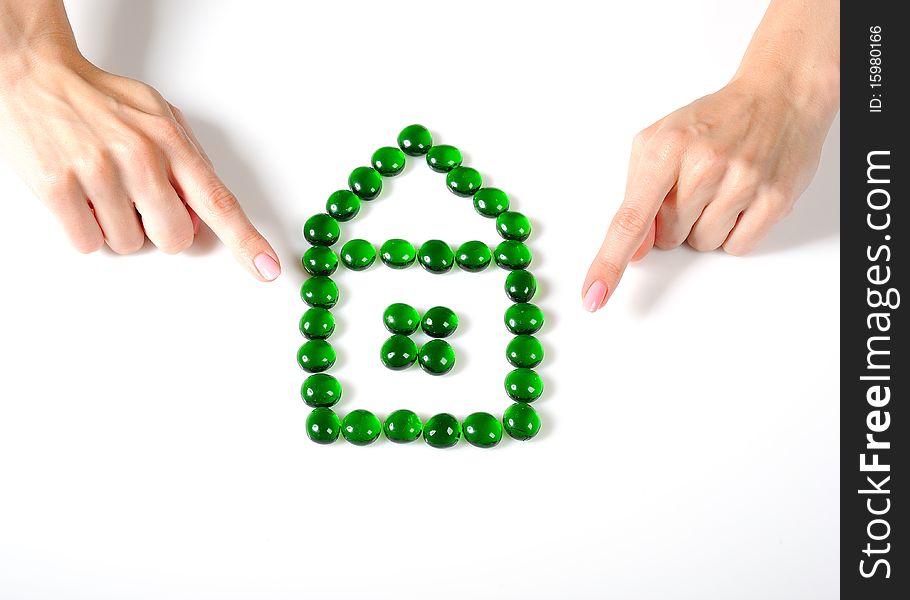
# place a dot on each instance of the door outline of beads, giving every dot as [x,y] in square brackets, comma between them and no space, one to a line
[322,392]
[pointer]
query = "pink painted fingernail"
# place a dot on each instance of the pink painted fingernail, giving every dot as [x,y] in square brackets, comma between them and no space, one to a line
[595,296]
[266,266]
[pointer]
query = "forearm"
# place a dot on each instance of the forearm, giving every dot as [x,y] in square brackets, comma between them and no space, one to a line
[32,31]
[797,48]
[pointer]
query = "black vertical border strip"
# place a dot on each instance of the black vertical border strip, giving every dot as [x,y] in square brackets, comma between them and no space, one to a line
[864,131]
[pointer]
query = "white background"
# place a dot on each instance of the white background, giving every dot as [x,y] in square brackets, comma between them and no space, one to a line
[152,438]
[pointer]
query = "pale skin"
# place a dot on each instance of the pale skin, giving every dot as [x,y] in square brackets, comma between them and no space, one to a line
[109,156]
[116,163]
[722,171]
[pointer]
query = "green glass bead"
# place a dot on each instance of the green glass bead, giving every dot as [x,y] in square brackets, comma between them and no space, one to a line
[464,181]
[524,318]
[443,158]
[524,385]
[316,356]
[524,351]
[358,255]
[320,389]
[319,260]
[317,324]
[512,254]
[343,205]
[388,161]
[321,230]
[491,202]
[473,256]
[323,425]
[398,352]
[442,431]
[439,322]
[361,427]
[513,225]
[365,182]
[401,318]
[397,253]
[436,357]
[415,140]
[402,426]
[320,292]
[521,421]
[482,430]
[520,286]
[436,256]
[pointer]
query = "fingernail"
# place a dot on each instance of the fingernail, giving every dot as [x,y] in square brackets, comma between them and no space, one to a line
[266,266]
[595,295]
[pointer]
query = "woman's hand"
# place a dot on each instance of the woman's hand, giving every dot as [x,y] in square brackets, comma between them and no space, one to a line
[109,156]
[723,170]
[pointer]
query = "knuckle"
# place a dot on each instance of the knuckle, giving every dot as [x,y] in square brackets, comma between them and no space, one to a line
[136,149]
[218,200]
[630,221]
[607,268]
[702,244]
[86,244]
[166,128]
[95,165]
[737,247]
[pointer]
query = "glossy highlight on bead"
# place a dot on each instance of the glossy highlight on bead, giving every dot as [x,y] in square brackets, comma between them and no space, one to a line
[323,425]
[315,356]
[398,352]
[473,256]
[320,390]
[365,182]
[358,255]
[321,230]
[388,161]
[320,292]
[361,427]
[490,202]
[402,426]
[524,385]
[319,260]
[444,158]
[523,318]
[482,430]
[415,140]
[343,205]
[436,256]
[317,324]
[521,421]
[464,181]
[512,255]
[439,322]
[442,431]
[397,253]
[436,357]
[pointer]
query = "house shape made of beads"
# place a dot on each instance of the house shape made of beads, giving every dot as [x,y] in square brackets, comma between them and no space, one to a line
[322,392]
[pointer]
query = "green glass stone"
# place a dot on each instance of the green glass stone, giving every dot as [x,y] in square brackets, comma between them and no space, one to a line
[323,425]
[358,255]
[439,322]
[520,286]
[443,158]
[317,324]
[524,385]
[513,225]
[402,426]
[436,256]
[319,292]
[436,357]
[464,181]
[491,202]
[401,318]
[524,351]
[319,260]
[320,389]
[482,430]
[523,318]
[398,352]
[343,205]
[361,427]
[512,255]
[388,161]
[415,140]
[397,253]
[521,421]
[442,431]
[473,256]
[316,356]
[365,182]
[321,230]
